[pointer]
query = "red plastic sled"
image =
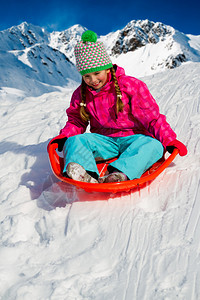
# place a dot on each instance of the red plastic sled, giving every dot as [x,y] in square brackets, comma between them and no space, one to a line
[57,166]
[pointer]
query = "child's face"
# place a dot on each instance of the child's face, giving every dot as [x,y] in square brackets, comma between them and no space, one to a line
[96,79]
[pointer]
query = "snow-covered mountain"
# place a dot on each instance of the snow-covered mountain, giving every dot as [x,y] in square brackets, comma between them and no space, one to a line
[65,40]
[144,47]
[22,36]
[35,61]
[29,63]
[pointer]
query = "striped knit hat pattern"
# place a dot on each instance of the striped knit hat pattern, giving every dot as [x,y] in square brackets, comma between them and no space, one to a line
[91,55]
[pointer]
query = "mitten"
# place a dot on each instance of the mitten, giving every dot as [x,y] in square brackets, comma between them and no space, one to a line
[60,140]
[177,144]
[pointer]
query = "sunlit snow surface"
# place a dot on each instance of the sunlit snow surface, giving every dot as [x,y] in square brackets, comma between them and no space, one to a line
[138,245]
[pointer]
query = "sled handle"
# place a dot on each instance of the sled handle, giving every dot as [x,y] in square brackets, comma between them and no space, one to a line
[56,161]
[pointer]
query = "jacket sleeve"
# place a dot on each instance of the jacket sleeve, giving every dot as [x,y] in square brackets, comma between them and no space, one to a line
[146,110]
[75,125]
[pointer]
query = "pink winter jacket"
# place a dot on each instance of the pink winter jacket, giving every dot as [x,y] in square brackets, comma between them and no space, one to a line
[140,114]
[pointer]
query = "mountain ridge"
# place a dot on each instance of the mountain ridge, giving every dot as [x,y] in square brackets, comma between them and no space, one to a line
[45,60]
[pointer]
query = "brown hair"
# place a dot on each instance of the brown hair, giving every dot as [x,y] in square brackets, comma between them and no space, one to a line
[119,105]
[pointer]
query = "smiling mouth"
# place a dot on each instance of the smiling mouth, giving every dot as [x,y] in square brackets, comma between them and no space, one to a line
[96,85]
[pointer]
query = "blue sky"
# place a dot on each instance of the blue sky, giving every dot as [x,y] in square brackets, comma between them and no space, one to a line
[100,16]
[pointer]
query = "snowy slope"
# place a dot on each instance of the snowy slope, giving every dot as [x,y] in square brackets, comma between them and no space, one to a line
[137,245]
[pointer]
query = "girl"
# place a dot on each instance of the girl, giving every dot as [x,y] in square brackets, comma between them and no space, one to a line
[124,121]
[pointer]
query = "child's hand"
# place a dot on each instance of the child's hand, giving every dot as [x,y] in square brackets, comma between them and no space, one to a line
[177,144]
[60,140]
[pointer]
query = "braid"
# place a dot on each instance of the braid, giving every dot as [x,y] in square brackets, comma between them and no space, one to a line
[120,104]
[85,116]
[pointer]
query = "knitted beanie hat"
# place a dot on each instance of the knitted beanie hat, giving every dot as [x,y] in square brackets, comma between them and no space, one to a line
[91,55]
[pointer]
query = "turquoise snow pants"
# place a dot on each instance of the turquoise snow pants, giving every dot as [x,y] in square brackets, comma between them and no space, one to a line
[136,152]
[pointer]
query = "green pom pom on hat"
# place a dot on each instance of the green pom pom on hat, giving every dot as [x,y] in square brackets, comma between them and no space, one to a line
[91,55]
[89,36]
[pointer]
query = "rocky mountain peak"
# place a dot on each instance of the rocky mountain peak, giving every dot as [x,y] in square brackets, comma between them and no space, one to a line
[22,36]
[65,40]
[137,34]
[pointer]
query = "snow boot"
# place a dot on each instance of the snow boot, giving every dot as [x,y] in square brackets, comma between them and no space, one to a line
[77,172]
[113,177]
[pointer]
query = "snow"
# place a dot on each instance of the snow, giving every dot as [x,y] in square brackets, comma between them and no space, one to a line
[22,56]
[194,41]
[153,58]
[138,245]
[61,243]
[66,40]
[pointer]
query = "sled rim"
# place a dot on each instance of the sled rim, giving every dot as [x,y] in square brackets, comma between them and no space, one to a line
[112,187]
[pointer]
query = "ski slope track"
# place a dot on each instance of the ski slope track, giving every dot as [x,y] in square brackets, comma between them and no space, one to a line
[127,246]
